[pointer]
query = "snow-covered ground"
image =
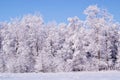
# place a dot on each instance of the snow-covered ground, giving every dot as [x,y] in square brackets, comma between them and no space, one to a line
[62,76]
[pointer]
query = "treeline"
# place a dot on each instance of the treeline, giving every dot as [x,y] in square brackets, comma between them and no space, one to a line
[30,45]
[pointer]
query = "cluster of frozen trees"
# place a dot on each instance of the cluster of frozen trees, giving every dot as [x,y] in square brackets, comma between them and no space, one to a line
[30,45]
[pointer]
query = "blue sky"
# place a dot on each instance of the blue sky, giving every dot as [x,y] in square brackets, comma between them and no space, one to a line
[54,10]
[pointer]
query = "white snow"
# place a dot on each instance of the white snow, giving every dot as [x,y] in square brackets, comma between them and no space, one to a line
[109,75]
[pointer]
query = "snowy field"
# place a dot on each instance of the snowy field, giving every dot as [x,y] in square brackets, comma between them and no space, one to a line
[62,76]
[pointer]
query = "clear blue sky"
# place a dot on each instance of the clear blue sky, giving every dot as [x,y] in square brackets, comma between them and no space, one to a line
[54,10]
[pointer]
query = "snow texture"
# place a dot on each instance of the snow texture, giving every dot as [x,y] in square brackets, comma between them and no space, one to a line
[62,76]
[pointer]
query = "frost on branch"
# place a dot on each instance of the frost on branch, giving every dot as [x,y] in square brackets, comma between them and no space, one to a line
[30,45]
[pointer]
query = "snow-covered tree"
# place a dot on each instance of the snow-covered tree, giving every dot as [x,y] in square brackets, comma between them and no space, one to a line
[30,45]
